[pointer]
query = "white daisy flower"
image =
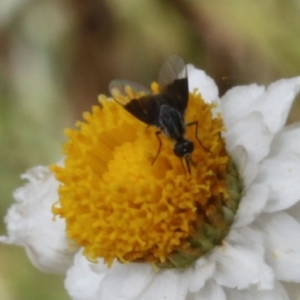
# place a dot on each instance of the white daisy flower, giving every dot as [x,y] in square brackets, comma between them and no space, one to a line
[228,229]
[30,223]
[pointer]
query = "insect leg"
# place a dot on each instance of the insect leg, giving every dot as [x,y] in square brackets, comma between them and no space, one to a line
[159,147]
[195,123]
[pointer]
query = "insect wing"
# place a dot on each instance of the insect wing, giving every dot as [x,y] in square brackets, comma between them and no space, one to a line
[136,99]
[125,91]
[174,82]
[173,68]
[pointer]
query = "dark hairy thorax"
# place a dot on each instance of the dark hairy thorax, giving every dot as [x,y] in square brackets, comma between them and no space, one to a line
[171,122]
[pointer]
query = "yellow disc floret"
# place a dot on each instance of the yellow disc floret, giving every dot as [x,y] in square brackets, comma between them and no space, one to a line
[118,205]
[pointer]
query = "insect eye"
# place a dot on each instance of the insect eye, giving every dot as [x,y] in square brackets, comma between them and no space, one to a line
[182,148]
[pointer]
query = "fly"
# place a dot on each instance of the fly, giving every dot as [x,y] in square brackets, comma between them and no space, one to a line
[165,110]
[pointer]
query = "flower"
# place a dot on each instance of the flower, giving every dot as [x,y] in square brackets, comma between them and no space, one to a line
[133,210]
[257,259]
[30,223]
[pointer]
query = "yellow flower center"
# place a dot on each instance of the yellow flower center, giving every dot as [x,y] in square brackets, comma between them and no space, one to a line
[118,205]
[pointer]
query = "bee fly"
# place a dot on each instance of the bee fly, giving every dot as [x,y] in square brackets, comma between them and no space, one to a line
[165,110]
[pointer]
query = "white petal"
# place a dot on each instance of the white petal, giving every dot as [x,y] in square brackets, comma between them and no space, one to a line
[126,281]
[239,101]
[204,269]
[82,282]
[274,103]
[251,205]
[247,169]
[203,83]
[167,285]
[277,293]
[286,141]
[30,223]
[211,291]
[282,241]
[281,174]
[240,261]
[251,133]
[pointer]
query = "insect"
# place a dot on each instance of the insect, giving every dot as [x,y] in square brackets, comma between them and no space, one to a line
[165,110]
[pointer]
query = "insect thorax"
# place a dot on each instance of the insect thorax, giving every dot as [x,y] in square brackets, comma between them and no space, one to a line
[171,122]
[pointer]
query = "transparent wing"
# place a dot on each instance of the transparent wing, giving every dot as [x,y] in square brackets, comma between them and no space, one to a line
[173,81]
[173,68]
[123,91]
[136,99]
